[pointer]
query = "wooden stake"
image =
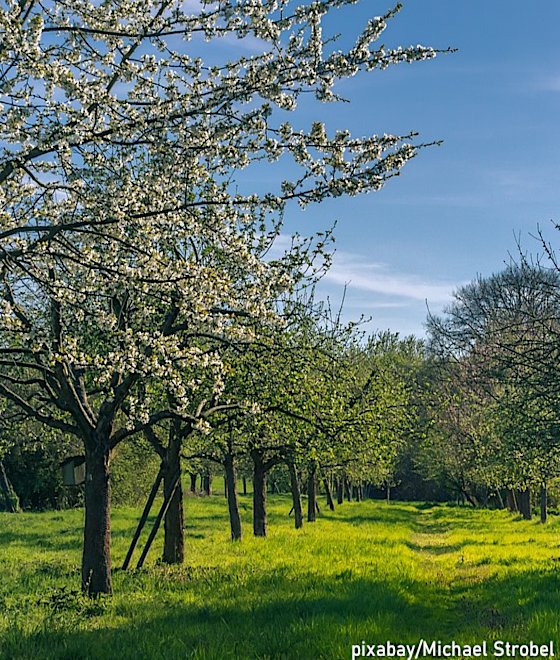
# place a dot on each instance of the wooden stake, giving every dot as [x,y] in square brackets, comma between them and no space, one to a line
[143,518]
[157,523]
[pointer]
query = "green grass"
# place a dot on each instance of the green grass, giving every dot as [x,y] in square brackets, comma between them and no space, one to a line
[369,571]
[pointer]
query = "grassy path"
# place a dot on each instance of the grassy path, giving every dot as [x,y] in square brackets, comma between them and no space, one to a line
[368,571]
[497,576]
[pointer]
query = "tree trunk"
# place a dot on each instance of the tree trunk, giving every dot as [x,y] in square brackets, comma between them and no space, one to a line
[207,483]
[244,485]
[511,501]
[524,503]
[388,493]
[259,494]
[311,493]
[174,539]
[328,493]
[544,502]
[471,499]
[96,558]
[348,489]
[485,497]
[231,494]
[296,496]
[339,491]
[193,477]
[10,497]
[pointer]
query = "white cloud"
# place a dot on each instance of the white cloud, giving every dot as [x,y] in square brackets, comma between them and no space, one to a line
[352,270]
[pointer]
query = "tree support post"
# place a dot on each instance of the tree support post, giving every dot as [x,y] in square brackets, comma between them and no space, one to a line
[10,496]
[143,518]
[157,523]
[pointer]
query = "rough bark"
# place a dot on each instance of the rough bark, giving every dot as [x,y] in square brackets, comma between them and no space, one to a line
[311,493]
[259,494]
[96,558]
[330,502]
[174,538]
[296,496]
[231,494]
[544,503]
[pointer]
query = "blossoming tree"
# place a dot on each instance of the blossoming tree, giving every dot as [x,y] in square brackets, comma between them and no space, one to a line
[124,238]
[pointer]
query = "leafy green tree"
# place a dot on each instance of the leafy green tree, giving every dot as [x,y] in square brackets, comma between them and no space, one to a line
[501,334]
[460,450]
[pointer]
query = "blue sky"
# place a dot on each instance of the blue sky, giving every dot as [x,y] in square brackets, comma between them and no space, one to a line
[457,209]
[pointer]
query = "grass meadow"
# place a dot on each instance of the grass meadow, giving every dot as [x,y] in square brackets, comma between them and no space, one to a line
[368,571]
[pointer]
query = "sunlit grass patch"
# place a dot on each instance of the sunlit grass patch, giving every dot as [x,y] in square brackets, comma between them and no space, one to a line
[367,571]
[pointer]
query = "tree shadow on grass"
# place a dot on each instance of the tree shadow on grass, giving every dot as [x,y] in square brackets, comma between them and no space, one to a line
[389,514]
[219,615]
[217,612]
[268,616]
[435,549]
[524,605]
[33,540]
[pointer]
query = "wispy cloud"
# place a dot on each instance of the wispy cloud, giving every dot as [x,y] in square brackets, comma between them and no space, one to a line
[367,305]
[549,83]
[468,200]
[354,271]
[248,43]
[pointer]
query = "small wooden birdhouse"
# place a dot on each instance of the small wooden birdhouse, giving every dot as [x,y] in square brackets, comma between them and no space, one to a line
[73,470]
